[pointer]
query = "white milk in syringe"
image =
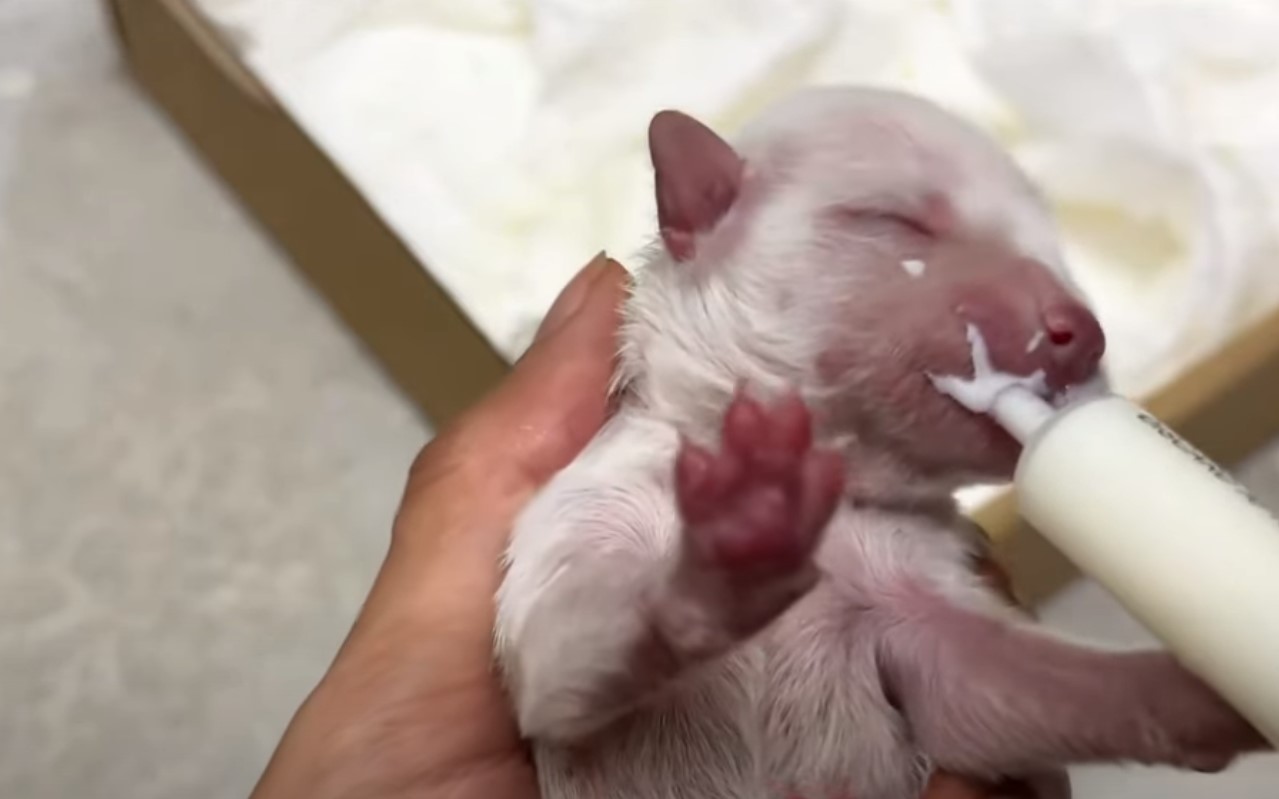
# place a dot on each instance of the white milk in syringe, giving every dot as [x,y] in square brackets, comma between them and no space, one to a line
[1183,547]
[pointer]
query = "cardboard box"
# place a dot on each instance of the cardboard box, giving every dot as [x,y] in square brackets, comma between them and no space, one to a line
[1227,405]
[334,237]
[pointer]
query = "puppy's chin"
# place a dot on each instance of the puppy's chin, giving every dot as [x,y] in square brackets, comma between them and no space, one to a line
[1097,386]
[989,454]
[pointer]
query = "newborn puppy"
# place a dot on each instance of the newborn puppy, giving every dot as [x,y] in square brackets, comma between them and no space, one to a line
[754,583]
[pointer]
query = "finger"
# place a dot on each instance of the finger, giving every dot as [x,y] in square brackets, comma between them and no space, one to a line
[546,409]
[557,396]
[572,297]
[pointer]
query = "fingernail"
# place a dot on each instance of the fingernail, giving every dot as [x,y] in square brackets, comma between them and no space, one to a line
[571,298]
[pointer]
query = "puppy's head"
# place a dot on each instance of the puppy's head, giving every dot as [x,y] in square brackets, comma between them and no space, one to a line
[844,243]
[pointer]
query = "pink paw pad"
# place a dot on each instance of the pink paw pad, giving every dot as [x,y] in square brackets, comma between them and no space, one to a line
[762,501]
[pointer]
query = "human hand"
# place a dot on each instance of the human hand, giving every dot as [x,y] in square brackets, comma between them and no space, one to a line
[411,705]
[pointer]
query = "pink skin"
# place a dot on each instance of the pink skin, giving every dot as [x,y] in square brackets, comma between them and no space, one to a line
[844,572]
[986,699]
[969,281]
[680,145]
[699,178]
[759,504]
[753,514]
[1022,701]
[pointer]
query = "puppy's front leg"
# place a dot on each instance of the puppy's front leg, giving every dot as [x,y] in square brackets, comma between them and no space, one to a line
[598,615]
[753,514]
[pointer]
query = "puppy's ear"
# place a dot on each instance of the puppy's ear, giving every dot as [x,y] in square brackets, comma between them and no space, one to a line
[698,178]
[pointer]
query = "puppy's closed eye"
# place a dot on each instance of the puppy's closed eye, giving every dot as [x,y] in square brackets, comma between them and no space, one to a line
[879,222]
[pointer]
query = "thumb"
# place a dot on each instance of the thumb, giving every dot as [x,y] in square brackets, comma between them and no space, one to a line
[551,403]
[556,397]
[570,300]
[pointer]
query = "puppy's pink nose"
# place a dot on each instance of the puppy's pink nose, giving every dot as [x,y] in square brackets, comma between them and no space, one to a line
[1077,342]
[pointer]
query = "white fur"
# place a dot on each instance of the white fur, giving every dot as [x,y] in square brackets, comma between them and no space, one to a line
[801,705]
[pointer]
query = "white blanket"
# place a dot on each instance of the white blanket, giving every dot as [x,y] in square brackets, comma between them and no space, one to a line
[504,139]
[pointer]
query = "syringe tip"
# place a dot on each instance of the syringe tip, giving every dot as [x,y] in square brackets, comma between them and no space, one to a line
[1021,412]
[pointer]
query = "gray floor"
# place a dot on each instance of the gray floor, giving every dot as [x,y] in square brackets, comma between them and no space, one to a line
[197,464]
